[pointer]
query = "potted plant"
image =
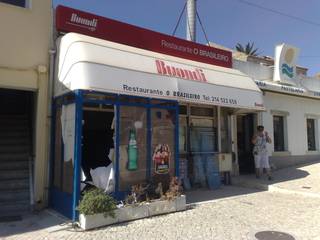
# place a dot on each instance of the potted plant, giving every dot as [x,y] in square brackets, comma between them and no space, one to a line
[99,209]
[96,209]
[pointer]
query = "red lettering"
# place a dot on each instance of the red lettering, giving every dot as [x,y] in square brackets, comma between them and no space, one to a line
[196,75]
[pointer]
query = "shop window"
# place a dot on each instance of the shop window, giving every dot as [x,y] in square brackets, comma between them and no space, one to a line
[98,107]
[162,103]
[131,99]
[163,145]
[182,135]
[99,96]
[183,110]
[64,148]
[279,133]
[203,135]
[19,3]
[311,134]
[57,151]
[201,111]
[133,146]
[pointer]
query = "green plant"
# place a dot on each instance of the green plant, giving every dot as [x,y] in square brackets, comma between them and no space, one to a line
[96,201]
[248,49]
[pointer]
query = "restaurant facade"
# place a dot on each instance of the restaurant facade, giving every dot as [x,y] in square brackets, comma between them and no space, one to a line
[149,105]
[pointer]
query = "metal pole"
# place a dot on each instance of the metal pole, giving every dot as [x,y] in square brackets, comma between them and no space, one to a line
[191,20]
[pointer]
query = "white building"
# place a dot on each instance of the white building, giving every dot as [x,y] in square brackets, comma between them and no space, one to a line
[292,112]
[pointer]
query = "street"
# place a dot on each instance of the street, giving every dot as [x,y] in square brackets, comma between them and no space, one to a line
[236,217]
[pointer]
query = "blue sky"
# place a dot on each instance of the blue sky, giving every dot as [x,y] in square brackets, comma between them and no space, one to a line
[226,22]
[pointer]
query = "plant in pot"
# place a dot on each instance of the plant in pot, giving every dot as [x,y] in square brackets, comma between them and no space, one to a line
[96,201]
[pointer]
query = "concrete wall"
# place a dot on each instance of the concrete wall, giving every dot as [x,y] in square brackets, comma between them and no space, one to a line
[295,111]
[257,71]
[24,62]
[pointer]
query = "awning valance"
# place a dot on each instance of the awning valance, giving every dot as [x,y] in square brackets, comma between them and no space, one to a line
[93,64]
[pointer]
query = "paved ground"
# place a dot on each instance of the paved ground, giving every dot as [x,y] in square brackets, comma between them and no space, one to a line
[235,213]
[304,180]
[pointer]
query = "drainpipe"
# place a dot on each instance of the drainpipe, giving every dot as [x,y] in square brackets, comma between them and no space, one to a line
[191,20]
[52,54]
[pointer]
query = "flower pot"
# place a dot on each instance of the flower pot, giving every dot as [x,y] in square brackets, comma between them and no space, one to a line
[96,220]
[129,213]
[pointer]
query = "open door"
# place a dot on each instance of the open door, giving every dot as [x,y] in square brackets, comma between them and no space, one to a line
[245,131]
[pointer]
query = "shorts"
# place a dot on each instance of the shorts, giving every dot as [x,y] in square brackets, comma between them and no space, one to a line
[261,160]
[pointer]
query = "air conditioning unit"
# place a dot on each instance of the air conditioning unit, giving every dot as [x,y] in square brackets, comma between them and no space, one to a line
[225,162]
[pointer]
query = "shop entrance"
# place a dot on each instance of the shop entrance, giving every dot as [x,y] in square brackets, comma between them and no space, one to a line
[245,131]
[97,140]
[16,138]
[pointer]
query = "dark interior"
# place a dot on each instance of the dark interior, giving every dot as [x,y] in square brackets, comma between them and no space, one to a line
[245,126]
[97,140]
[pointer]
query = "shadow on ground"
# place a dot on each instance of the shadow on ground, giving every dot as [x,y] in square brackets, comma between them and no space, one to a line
[45,219]
[204,195]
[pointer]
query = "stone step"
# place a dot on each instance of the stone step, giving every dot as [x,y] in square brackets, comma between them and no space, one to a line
[13,174]
[8,196]
[14,141]
[16,208]
[14,148]
[13,121]
[4,157]
[14,165]
[14,125]
[14,134]
[15,184]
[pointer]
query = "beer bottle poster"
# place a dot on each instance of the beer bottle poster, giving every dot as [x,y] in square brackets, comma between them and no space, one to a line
[161,158]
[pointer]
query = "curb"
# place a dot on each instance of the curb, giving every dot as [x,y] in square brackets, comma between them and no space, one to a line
[271,188]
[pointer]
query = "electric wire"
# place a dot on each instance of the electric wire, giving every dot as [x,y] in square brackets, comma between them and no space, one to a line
[280,13]
[204,32]
[176,27]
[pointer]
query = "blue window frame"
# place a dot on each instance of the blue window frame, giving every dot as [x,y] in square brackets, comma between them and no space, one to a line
[84,97]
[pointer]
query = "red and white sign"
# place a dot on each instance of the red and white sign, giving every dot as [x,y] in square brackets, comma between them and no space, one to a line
[72,20]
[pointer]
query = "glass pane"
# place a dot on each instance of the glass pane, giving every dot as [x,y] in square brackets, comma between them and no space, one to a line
[203,137]
[99,96]
[133,146]
[129,99]
[311,134]
[163,145]
[68,137]
[278,133]
[204,112]
[225,131]
[183,110]
[57,151]
[182,134]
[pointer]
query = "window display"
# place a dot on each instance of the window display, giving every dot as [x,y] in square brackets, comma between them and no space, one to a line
[163,145]
[132,146]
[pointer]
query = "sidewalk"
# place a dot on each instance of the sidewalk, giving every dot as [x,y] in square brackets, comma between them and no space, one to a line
[304,180]
[227,213]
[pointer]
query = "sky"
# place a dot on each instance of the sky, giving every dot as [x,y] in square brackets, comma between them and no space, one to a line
[226,22]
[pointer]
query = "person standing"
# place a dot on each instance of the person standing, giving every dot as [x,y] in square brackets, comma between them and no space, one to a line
[260,151]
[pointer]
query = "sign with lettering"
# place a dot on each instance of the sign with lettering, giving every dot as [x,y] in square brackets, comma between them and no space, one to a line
[72,20]
[274,87]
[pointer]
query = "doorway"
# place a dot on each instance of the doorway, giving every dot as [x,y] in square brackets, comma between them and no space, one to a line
[16,149]
[97,139]
[245,130]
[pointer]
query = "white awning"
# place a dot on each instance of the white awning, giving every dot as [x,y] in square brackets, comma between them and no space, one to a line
[93,64]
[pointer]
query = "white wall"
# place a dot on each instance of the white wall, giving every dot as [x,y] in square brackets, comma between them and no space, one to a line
[297,108]
[254,70]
